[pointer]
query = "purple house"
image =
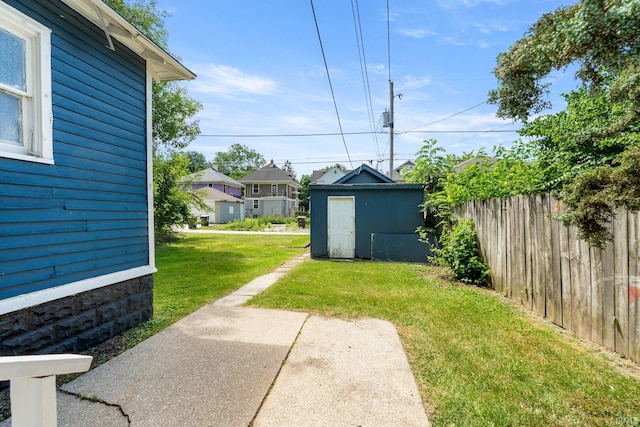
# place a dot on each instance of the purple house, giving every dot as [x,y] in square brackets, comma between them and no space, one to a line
[212,178]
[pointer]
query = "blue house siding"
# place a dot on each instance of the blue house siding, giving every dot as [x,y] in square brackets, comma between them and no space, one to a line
[87,214]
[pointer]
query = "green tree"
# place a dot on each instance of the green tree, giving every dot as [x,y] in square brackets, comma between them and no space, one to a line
[145,16]
[173,109]
[238,161]
[172,125]
[337,165]
[197,161]
[431,168]
[288,168]
[173,197]
[509,173]
[305,181]
[588,145]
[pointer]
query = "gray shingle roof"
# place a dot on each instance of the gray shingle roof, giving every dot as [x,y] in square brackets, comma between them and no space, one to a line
[212,195]
[269,174]
[212,176]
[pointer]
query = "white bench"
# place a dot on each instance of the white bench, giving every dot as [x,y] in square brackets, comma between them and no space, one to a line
[33,385]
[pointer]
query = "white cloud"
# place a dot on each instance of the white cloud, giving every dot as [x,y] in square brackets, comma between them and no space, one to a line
[451,4]
[376,69]
[227,80]
[410,82]
[491,28]
[416,33]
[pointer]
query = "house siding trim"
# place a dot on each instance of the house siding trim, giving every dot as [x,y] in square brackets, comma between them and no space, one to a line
[46,295]
[150,218]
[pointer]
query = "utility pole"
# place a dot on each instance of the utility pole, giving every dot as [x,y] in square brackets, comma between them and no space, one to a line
[391,96]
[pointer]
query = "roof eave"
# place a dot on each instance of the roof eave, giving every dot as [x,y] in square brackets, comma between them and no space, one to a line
[164,67]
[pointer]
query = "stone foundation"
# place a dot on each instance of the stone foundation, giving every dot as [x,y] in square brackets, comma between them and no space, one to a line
[78,322]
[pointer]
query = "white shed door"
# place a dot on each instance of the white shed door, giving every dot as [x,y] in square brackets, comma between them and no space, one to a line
[341,223]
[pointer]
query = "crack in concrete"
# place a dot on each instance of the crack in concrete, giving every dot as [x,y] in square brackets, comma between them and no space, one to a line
[284,361]
[96,399]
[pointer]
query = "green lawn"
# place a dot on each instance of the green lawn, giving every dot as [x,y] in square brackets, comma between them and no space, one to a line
[198,269]
[478,360]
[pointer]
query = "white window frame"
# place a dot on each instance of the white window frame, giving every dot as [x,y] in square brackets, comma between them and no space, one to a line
[255,188]
[256,204]
[37,116]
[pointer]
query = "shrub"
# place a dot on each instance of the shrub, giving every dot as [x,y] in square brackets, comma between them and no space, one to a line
[459,251]
[249,224]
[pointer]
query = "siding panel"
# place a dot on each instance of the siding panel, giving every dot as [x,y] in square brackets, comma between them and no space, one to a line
[86,215]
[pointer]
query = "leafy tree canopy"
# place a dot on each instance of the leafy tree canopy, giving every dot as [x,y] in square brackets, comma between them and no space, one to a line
[173,109]
[588,149]
[197,161]
[600,36]
[146,17]
[288,168]
[337,165]
[238,161]
[303,196]
[172,125]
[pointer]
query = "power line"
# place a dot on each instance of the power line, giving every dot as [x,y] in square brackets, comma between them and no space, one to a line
[389,40]
[302,135]
[445,118]
[364,69]
[326,67]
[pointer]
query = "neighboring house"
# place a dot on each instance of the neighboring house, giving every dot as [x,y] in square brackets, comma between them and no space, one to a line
[226,208]
[398,173]
[329,176]
[213,178]
[366,215]
[76,190]
[270,191]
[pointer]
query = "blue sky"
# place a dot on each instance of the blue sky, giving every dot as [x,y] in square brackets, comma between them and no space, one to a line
[261,72]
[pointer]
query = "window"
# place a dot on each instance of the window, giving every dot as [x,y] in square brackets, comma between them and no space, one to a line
[274,189]
[256,204]
[25,87]
[210,185]
[256,188]
[230,210]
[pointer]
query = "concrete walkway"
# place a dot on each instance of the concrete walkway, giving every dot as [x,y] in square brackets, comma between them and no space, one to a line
[232,366]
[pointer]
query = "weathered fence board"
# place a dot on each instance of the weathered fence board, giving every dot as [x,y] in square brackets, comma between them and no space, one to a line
[621,282]
[536,260]
[555,286]
[634,286]
[597,296]
[609,301]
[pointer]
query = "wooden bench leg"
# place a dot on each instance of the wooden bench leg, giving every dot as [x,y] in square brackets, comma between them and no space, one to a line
[33,402]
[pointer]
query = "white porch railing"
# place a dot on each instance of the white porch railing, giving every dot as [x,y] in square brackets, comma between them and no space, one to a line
[33,385]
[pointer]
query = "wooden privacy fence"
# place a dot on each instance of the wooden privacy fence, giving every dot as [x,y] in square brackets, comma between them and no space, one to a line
[538,261]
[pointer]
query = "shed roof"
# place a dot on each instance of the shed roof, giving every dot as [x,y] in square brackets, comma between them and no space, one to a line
[164,67]
[213,195]
[364,174]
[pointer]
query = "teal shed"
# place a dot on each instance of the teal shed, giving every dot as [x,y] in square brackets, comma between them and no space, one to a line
[366,215]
